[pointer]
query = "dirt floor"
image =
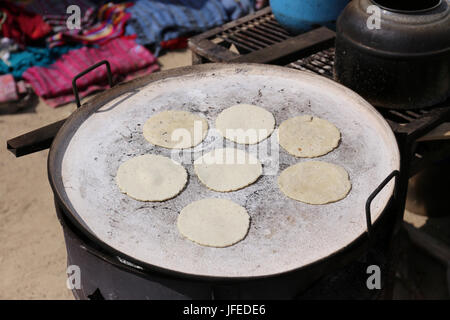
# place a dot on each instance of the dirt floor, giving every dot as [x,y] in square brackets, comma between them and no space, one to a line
[32,251]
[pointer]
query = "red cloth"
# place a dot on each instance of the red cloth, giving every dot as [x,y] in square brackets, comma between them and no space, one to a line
[127,59]
[173,44]
[21,25]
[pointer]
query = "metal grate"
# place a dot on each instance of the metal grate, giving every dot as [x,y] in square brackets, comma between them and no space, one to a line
[250,37]
[320,62]
[400,120]
[256,34]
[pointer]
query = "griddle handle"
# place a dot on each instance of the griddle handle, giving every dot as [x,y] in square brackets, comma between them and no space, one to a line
[95,66]
[395,174]
[34,141]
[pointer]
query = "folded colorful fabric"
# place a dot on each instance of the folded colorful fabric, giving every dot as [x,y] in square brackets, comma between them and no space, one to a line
[54,12]
[21,25]
[154,21]
[7,46]
[54,84]
[238,8]
[8,90]
[59,23]
[18,62]
[174,44]
[58,7]
[112,19]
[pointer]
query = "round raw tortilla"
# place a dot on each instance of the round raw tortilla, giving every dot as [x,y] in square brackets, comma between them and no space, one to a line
[214,222]
[227,169]
[315,182]
[151,178]
[308,136]
[175,129]
[245,123]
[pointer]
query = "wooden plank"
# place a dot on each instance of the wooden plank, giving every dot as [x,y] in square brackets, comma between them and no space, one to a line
[294,46]
[34,141]
[212,51]
[441,132]
[196,59]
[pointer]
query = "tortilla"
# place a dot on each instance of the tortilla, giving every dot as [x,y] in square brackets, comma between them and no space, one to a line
[227,169]
[308,136]
[151,178]
[315,182]
[245,123]
[175,129]
[214,222]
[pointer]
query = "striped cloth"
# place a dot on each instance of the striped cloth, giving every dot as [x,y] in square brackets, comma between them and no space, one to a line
[54,84]
[20,61]
[57,7]
[112,19]
[55,14]
[154,21]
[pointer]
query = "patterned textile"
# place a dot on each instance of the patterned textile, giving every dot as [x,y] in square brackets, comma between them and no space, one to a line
[54,84]
[154,21]
[237,8]
[18,62]
[58,7]
[112,19]
[54,12]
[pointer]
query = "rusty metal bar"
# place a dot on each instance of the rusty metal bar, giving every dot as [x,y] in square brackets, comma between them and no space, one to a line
[401,115]
[267,40]
[236,43]
[247,39]
[264,29]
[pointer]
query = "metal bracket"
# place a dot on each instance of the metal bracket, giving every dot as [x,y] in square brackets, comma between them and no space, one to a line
[395,174]
[95,66]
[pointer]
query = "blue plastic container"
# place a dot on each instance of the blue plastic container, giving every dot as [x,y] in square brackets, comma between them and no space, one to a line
[298,16]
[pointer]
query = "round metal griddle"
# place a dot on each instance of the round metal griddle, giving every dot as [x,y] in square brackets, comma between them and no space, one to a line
[284,235]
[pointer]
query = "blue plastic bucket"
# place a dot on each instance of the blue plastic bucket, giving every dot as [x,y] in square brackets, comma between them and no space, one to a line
[298,16]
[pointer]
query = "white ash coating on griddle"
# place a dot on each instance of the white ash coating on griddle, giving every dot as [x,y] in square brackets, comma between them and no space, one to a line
[285,234]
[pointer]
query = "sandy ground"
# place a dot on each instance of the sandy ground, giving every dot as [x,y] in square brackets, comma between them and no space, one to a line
[32,251]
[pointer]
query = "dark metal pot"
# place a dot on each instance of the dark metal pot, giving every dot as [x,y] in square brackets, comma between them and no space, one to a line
[405,63]
[111,272]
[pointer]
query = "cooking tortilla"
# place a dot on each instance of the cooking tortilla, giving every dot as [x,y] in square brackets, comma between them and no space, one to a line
[227,169]
[214,222]
[151,178]
[245,123]
[315,182]
[175,129]
[308,136]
